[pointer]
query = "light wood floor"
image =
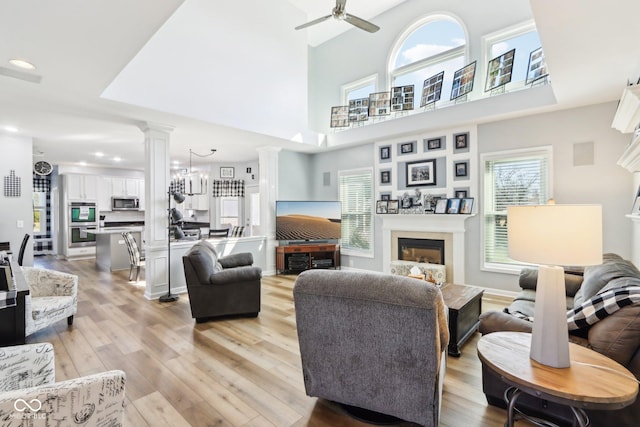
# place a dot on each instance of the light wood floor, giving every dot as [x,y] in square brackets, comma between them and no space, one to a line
[240,372]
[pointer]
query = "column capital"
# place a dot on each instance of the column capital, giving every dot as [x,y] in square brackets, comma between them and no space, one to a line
[152,126]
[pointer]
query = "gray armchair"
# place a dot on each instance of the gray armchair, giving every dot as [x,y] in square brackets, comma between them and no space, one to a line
[220,286]
[373,341]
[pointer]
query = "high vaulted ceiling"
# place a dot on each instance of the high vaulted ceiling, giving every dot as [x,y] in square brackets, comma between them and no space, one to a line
[107,66]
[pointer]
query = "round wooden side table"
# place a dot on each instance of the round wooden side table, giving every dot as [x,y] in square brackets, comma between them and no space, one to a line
[593,381]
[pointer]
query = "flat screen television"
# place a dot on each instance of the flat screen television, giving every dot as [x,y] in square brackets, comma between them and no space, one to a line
[308,221]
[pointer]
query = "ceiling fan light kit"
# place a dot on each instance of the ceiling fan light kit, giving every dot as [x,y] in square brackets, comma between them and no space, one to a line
[339,13]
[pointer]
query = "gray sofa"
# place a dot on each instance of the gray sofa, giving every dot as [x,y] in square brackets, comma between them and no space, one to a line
[616,336]
[372,341]
[221,286]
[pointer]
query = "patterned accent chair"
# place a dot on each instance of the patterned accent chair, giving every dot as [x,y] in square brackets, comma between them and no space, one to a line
[53,296]
[135,258]
[30,396]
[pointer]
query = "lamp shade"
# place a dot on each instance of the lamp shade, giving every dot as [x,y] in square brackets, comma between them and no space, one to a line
[178,197]
[555,234]
[176,215]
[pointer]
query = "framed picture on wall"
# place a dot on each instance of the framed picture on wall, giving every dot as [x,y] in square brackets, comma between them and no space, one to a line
[385,152]
[434,144]
[227,172]
[422,172]
[461,141]
[385,177]
[408,147]
[461,169]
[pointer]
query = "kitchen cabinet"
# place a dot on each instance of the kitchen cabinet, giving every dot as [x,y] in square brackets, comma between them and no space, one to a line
[197,202]
[127,187]
[82,187]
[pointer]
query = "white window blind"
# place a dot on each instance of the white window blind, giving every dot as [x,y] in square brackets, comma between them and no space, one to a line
[510,179]
[356,196]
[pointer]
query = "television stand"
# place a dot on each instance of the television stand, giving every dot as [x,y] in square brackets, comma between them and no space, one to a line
[297,258]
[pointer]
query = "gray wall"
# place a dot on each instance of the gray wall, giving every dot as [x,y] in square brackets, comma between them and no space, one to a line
[330,163]
[16,209]
[603,182]
[295,180]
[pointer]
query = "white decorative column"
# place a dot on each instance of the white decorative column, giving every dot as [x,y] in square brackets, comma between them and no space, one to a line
[156,174]
[268,162]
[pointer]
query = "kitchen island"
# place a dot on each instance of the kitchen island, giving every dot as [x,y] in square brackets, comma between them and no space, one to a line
[111,249]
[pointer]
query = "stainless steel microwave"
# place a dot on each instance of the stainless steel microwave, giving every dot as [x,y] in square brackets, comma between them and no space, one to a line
[125,203]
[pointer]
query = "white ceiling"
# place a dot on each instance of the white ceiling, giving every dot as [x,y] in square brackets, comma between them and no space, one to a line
[86,48]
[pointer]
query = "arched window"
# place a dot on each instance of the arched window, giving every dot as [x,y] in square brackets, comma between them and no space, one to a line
[434,44]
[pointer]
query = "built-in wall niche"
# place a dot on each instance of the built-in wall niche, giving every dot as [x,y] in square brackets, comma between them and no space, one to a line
[418,170]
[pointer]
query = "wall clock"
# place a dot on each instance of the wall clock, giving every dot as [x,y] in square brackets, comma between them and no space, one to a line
[42,167]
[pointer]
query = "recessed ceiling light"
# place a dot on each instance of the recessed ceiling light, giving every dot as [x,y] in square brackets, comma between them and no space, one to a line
[21,63]
[82,163]
[11,129]
[176,162]
[116,159]
[99,154]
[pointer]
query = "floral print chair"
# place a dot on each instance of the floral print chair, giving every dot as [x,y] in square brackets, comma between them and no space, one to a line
[30,396]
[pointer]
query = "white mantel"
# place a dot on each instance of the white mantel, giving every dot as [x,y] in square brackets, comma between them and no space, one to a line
[428,223]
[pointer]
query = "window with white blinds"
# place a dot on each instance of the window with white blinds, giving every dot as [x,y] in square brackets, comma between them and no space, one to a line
[356,195]
[520,177]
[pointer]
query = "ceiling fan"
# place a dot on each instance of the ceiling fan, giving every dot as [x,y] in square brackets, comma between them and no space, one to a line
[339,13]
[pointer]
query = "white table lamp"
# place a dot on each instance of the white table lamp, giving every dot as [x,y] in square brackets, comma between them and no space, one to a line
[553,236]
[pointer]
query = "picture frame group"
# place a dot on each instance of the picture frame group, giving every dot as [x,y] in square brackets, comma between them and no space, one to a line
[387,206]
[454,206]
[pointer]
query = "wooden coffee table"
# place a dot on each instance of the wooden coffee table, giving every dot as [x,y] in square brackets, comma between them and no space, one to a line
[465,306]
[592,381]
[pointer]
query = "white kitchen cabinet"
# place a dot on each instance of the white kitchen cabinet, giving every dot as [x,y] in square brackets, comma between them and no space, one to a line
[197,202]
[126,187]
[82,187]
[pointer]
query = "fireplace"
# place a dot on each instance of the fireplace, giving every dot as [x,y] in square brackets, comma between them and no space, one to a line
[448,228]
[430,251]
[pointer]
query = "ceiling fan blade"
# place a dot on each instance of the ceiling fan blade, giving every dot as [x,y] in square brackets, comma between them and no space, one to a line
[314,22]
[361,23]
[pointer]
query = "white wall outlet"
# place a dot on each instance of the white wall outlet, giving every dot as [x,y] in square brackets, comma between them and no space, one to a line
[20,223]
